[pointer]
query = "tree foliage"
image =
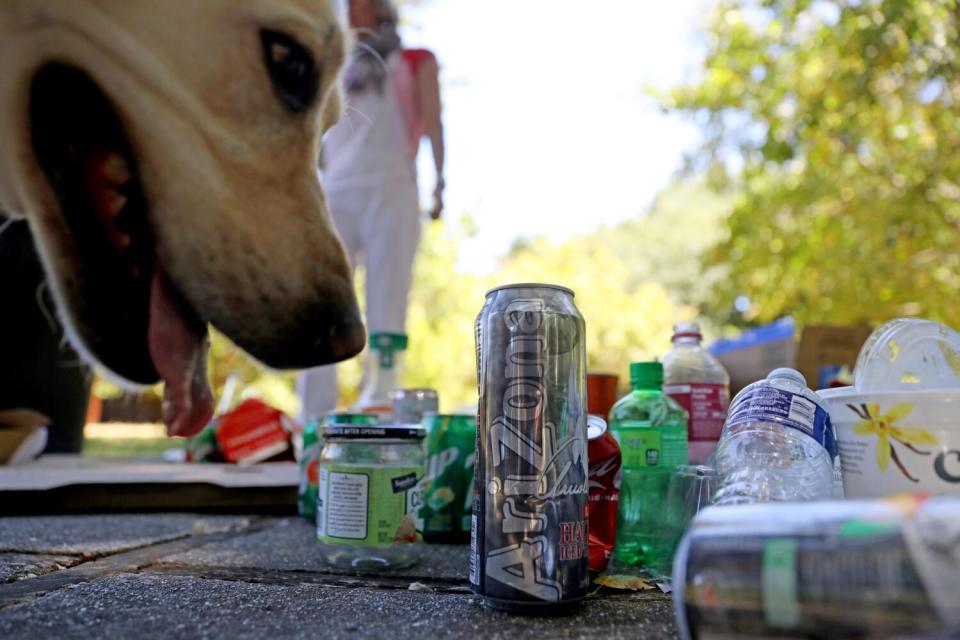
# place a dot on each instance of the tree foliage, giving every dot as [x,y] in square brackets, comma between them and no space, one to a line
[840,124]
[632,281]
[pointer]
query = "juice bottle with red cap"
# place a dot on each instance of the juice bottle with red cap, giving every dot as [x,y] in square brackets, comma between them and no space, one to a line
[699,384]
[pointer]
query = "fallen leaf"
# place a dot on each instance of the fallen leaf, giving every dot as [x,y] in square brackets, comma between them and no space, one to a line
[418,586]
[624,582]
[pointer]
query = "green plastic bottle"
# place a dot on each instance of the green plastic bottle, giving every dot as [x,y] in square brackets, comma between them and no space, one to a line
[651,429]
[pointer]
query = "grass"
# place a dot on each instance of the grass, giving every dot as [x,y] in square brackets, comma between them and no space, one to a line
[127,440]
[129,448]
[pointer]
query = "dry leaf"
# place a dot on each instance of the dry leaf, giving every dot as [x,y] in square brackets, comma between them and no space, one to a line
[418,586]
[624,582]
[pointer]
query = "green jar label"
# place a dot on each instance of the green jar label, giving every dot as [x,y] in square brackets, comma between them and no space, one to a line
[644,446]
[369,506]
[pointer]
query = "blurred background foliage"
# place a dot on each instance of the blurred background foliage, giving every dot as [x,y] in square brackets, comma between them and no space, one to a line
[838,122]
[826,188]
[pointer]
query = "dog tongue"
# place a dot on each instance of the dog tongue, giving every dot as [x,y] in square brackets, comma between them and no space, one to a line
[178,347]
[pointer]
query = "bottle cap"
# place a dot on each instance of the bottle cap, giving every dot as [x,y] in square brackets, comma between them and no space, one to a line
[686,330]
[386,344]
[384,341]
[646,375]
[786,373]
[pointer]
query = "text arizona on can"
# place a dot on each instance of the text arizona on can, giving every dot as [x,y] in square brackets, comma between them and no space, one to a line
[529,530]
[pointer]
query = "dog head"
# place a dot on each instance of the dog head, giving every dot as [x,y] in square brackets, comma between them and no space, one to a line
[164,154]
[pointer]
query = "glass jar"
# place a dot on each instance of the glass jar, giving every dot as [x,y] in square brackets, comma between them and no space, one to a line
[369,495]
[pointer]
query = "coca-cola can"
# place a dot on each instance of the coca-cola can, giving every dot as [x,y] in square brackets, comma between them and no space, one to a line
[529,538]
[604,454]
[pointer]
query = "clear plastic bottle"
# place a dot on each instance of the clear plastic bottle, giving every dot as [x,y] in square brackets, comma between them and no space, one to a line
[700,384]
[383,374]
[651,430]
[777,445]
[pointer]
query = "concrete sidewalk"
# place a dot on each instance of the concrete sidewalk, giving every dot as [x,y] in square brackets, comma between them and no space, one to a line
[187,576]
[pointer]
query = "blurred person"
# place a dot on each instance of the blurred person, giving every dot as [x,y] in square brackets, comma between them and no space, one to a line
[369,173]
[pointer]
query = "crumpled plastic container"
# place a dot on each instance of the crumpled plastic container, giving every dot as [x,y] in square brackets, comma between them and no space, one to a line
[898,427]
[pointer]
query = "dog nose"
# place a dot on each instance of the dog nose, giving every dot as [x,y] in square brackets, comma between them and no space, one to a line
[346,340]
[314,335]
[328,334]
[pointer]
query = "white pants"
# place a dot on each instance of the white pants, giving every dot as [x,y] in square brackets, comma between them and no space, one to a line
[380,225]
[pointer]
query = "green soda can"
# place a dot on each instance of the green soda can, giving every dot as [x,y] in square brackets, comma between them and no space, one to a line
[448,483]
[203,447]
[309,459]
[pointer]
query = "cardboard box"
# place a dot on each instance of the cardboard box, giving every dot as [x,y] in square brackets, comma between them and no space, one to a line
[757,352]
[825,349]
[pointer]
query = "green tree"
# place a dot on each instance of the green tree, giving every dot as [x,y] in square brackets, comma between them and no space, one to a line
[666,244]
[839,123]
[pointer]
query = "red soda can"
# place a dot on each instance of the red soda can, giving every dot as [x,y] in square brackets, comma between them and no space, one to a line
[604,456]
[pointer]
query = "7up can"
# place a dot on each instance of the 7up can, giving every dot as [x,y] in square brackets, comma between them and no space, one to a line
[448,483]
[307,493]
[529,544]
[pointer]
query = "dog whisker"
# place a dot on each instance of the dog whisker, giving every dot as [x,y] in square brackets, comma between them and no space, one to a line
[350,107]
[374,52]
[72,364]
[42,304]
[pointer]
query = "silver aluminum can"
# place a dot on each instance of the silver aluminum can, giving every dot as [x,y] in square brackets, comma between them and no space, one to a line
[529,544]
[840,569]
[410,405]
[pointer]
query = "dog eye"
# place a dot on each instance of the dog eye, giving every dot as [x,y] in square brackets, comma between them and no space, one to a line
[292,70]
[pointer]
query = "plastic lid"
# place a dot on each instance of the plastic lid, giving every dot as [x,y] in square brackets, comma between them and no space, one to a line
[909,354]
[687,330]
[786,373]
[340,417]
[388,341]
[374,432]
[646,375]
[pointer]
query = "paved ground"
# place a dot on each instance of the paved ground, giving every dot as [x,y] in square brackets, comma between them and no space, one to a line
[185,576]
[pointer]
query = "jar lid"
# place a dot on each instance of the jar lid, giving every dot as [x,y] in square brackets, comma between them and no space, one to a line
[341,417]
[374,432]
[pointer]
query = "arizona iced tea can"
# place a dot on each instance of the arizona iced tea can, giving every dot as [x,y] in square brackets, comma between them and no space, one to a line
[529,539]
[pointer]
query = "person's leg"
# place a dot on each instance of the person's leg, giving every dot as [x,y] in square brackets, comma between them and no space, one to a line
[391,239]
[317,387]
[38,369]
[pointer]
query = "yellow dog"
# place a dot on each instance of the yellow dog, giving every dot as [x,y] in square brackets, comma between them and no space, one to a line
[164,154]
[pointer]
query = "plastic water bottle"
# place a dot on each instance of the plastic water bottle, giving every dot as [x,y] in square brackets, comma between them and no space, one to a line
[777,445]
[651,430]
[700,384]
